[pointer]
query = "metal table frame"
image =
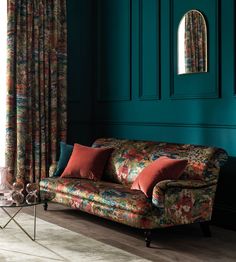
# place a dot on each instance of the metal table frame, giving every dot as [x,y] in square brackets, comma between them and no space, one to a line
[12,218]
[43,197]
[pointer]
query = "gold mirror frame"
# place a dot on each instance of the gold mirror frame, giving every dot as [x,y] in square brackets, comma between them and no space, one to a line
[192,43]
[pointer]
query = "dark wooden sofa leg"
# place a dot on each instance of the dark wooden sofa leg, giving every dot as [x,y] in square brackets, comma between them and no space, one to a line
[147,234]
[205,227]
[45,206]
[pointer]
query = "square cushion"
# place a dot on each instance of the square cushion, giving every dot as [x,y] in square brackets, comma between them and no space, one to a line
[65,153]
[87,162]
[161,169]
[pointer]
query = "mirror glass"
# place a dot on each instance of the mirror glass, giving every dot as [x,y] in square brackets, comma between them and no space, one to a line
[192,43]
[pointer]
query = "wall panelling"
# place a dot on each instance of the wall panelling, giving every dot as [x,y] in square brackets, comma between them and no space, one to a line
[203,85]
[137,93]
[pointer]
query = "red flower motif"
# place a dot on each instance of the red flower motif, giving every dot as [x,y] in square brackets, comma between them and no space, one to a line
[133,154]
[123,169]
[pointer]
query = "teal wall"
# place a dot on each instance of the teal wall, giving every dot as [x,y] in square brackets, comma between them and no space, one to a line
[139,94]
[123,81]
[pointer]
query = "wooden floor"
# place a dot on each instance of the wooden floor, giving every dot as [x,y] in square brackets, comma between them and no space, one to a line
[182,243]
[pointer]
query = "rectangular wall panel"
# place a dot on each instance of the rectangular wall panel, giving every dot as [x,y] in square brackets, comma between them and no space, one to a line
[149,32]
[114,50]
[196,85]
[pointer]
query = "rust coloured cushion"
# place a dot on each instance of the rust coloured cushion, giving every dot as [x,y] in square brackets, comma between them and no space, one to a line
[87,162]
[161,169]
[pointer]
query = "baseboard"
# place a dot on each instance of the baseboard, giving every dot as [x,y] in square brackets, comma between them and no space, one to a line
[224,216]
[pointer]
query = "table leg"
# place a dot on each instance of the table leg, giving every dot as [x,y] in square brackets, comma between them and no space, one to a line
[34,222]
[12,218]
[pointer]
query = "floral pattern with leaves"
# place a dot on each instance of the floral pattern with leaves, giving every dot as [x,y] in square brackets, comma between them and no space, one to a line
[36,86]
[174,202]
[130,157]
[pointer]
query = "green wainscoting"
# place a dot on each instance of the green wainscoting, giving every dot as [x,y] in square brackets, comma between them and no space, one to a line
[122,78]
[192,108]
[192,85]
[149,49]
[113,50]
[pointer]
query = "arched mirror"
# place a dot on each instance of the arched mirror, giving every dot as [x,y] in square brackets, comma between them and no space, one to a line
[192,43]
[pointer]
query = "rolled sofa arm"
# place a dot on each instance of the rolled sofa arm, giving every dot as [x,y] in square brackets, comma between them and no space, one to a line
[161,187]
[184,201]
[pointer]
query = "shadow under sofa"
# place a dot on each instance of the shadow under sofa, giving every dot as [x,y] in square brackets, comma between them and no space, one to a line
[174,202]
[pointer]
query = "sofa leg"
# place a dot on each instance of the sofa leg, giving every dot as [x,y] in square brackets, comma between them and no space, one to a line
[45,206]
[147,234]
[205,227]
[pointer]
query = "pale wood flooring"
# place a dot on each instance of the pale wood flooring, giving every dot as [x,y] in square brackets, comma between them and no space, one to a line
[183,243]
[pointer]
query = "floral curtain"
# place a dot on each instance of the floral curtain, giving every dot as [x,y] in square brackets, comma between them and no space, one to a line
[36,91]
[195,42]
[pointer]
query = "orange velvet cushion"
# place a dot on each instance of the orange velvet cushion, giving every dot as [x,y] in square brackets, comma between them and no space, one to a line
[87,162]
[161,169]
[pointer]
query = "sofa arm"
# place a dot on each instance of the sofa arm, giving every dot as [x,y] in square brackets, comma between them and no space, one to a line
[184,202]
[52,169]
[161,187]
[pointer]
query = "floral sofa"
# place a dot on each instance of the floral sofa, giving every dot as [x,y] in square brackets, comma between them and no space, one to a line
[173,202]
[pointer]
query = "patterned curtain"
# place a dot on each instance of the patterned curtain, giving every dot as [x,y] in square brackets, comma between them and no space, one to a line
[195,42]
[36,91]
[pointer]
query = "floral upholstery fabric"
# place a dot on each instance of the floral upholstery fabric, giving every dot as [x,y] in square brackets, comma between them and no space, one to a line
[148,221]
[36,112]
[174,202]
[130,157]
[110,194]
[183,207]
[158,195]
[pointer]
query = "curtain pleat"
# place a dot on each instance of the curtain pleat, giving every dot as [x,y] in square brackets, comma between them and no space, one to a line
[36,86]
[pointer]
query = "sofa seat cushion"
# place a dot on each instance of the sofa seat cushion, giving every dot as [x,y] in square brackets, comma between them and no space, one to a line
[106,193]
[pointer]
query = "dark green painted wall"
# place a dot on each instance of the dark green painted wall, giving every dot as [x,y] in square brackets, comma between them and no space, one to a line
[81,74]
[123,81]
[197,108]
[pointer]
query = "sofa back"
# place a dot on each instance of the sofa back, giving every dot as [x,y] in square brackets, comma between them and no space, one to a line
[130,157]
